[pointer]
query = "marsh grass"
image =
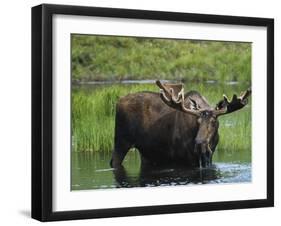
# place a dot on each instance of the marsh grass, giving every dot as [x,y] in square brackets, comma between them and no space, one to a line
[93,117]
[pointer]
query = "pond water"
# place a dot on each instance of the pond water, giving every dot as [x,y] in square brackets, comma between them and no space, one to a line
[92,171]
[90,168]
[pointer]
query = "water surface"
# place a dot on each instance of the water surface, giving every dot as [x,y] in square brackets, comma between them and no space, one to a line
[92,171]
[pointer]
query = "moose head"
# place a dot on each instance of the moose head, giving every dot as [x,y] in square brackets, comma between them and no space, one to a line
[207,118]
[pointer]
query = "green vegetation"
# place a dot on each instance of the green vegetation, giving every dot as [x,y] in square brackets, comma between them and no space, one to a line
[93,117]
[96,58]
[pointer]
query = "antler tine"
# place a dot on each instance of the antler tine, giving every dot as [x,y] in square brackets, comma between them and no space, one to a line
[226,106]
[174,98]
[246,94]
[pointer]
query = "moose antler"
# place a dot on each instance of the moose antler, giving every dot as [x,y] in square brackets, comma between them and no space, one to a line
[173,96]
[226,106]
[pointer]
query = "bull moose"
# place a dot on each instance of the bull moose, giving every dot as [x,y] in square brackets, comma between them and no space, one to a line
[170,127]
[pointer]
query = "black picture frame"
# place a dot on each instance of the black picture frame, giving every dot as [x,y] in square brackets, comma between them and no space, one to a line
[42,107]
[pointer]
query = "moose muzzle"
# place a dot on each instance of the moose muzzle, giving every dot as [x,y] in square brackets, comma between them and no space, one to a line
[204,154]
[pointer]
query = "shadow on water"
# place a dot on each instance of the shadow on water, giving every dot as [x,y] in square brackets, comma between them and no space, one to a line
[156,176]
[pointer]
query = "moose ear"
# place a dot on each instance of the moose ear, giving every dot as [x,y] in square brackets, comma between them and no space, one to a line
[193,104]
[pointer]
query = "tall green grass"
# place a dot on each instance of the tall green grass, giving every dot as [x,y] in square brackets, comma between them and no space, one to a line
[96,58]
[93,117]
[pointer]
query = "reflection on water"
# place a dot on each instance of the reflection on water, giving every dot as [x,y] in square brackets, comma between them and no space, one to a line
[91,171]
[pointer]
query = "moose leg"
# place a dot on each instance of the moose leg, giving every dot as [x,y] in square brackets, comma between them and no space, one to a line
[120,176]
[119,153]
